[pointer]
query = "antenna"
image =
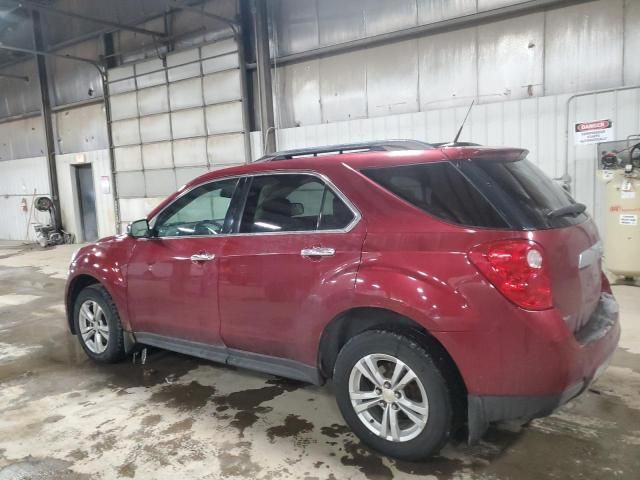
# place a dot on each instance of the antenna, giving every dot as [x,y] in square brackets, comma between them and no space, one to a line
[455,140]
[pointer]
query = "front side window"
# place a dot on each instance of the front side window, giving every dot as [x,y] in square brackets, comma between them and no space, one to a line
[292,203]
[200,212]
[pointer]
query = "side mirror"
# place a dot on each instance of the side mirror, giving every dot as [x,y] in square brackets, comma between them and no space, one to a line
[139,229]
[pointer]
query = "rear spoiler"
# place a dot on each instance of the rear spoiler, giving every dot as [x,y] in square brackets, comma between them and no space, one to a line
[485,153]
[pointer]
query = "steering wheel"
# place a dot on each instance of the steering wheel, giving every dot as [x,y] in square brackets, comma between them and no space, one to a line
[204,227]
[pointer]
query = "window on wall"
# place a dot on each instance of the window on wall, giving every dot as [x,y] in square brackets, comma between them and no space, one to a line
[292,203]
[202,211]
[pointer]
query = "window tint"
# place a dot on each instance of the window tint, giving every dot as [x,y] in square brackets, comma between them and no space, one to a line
[441,190]
[202,211]
[335,213]
[521,192]
[286,203]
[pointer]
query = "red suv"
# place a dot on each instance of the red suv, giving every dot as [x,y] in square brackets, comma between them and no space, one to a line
[438,287]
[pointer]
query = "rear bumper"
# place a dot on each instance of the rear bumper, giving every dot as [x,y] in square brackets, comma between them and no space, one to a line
[484,410]
[582,357]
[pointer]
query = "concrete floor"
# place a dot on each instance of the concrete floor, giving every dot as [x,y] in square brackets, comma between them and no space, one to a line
[63,417]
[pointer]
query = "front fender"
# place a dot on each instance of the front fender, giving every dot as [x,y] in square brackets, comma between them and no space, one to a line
[105,262]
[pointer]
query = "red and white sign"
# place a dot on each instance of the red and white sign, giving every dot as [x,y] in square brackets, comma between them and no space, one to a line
[596,131]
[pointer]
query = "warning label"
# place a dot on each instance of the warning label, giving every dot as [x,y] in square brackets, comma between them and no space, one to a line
[596,131]
[628,219]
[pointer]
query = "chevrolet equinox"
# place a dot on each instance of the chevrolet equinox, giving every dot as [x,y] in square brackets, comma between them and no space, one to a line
[438,287]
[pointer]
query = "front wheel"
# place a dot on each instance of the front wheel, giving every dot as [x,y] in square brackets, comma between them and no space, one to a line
[97,324]
[392,395]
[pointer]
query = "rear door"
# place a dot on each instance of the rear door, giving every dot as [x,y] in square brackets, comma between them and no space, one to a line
[297,242]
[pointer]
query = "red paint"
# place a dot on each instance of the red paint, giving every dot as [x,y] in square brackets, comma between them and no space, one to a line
[260,295]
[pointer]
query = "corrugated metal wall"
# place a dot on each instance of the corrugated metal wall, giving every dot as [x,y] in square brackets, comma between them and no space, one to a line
[21,180]
[172,123]
[538,124]
[18,97]
[576,48]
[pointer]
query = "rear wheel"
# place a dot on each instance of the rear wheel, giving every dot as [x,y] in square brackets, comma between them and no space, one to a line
[97,324]
[392,395]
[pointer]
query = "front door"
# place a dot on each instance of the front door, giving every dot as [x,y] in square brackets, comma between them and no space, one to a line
[173,276]
[298,246]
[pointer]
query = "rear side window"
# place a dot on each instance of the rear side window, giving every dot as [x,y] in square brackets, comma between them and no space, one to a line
[441,190]
[521,192]
[292,203]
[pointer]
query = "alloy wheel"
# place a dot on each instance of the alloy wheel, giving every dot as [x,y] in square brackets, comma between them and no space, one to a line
[94,327]
[388,397]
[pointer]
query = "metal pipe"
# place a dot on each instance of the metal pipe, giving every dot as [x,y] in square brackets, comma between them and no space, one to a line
[39,7]
[24,78]
[41,52]
[566,178]
[456,23]
[201,11]
[263,60]
[38,42]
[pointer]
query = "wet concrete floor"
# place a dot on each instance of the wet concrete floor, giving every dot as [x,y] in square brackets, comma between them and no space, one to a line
[63,417]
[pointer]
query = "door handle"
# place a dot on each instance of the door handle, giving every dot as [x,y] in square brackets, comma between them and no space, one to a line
[317,252]
[202,257]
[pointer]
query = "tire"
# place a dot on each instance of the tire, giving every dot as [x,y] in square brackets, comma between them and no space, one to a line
[98,300]
[406,442]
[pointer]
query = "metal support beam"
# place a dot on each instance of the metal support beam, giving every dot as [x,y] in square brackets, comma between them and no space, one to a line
[263,62]
[244,88]
[38,7]
[24,78]
[457,23]
[38,42]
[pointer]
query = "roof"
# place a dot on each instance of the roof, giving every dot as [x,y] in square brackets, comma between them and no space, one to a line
[365,157]
[371,155]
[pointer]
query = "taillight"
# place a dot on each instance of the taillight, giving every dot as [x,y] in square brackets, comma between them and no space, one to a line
[518,269]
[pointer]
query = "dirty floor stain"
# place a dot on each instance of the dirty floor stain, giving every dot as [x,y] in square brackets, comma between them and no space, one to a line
[62,417]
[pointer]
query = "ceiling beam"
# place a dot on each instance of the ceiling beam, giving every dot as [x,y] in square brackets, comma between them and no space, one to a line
[30,5]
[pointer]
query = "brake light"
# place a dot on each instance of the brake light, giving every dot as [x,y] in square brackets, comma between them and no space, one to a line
[517,268]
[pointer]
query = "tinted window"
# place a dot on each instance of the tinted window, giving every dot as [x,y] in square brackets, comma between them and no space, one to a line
[521,192]
[202,211]
[286,203]
[441,190]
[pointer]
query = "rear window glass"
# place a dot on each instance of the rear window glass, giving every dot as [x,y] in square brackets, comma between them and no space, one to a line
[441,190]
[521,192]
[481,193]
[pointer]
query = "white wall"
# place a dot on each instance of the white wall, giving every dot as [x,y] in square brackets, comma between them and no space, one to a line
[20,179]
[105,212]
